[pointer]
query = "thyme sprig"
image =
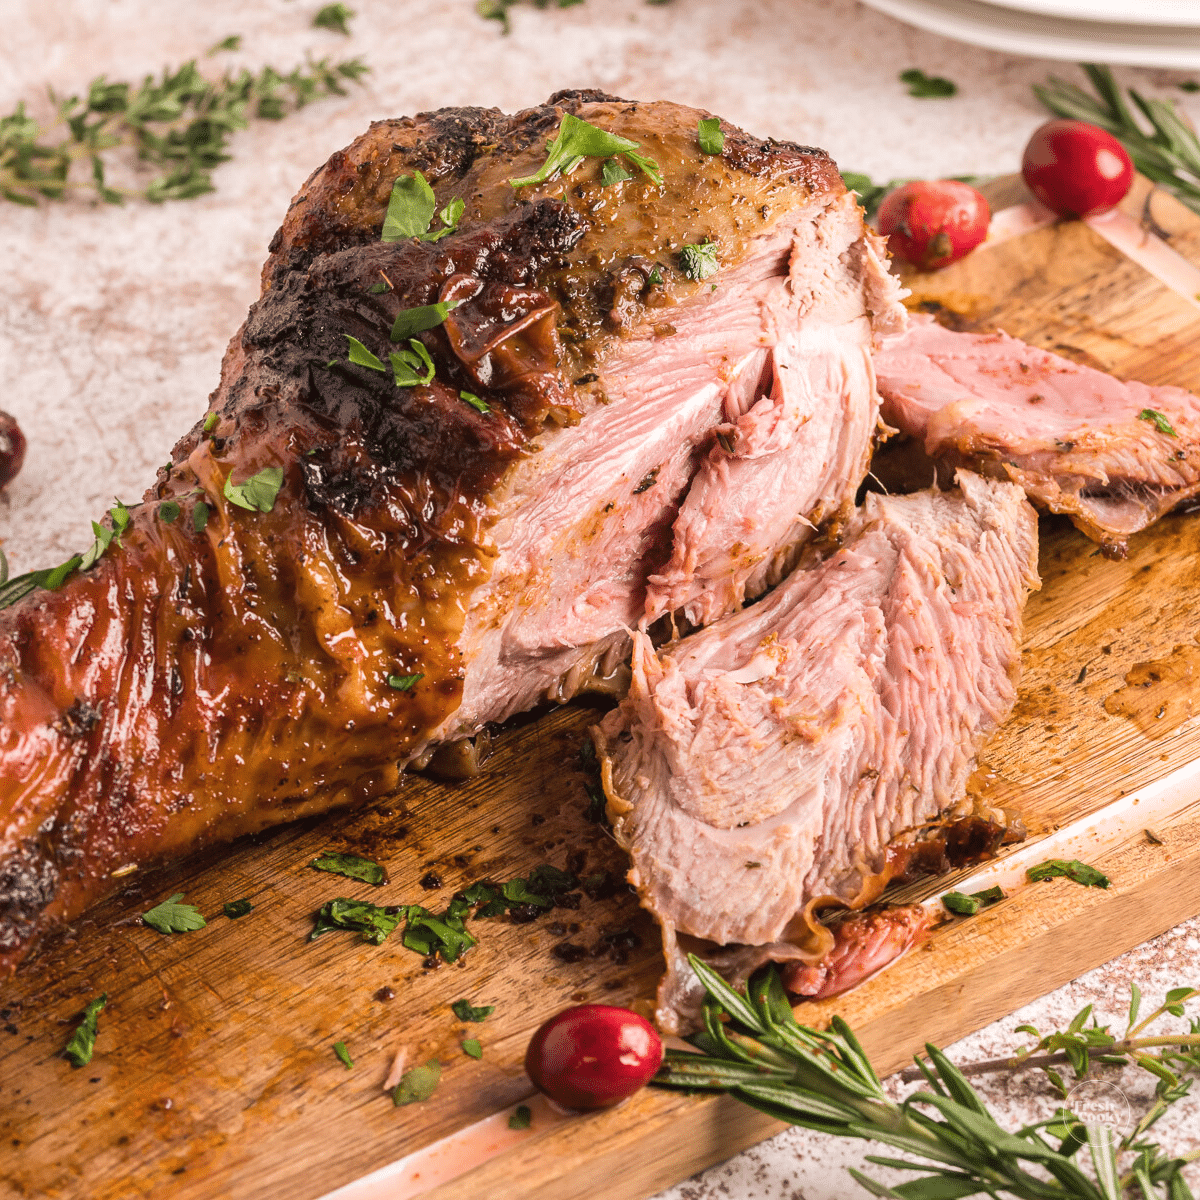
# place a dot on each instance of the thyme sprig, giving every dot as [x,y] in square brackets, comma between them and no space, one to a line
[180,124]
[753,1047]
[1169,153]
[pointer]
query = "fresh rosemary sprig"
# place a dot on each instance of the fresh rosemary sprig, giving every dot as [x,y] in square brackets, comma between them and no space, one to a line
[754,1048]
[179,124]
[1169,155]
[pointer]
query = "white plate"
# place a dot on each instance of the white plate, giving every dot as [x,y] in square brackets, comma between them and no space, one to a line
[1020,32]
[1182,13]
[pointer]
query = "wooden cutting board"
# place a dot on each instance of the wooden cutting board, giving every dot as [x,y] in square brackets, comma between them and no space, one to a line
[214,1073]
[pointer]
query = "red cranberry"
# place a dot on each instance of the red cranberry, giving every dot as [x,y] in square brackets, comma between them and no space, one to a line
[1076,169]
[593,1056]
[931,223]
[12,448]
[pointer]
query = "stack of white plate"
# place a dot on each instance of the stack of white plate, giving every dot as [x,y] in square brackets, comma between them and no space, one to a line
[1147,33]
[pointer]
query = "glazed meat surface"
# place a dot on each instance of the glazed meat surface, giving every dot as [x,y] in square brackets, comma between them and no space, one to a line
[762,768]
[653,442]
[1114,456]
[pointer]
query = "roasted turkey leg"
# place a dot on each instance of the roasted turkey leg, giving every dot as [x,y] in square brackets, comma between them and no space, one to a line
[653,441]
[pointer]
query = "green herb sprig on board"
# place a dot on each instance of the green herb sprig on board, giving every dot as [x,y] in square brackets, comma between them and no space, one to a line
[1168,153]
[753,1047]
[172,917]
[180,124]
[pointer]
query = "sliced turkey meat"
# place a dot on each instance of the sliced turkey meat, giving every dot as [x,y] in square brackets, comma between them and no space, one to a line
[761,768]
[1112,455]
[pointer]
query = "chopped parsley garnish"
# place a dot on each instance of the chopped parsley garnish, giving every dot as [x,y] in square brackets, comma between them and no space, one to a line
[359,916]
[51,578]
[412,367]
[655,276]
[968,906]
[1158,421]
[339,1048]
[1061,868]
[210,422]
[258,493]
[699,260]
[405,683]
[475,402]
[377,289]
[464,1010]
[409,367]
[168,512]
[83,1040]
[612,172]
[236,908]
[926,87]
[577,140]
[411,321]
[349,865]
[334,17]
[472,1048]
[712,140]
[232,42]
[446,935]
[200,516]
[104,537]
[521,1118]
[418,1084]
[362,356]
[172,917]
[411,208]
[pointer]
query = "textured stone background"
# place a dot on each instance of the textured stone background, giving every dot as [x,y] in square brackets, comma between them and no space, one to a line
[112,322]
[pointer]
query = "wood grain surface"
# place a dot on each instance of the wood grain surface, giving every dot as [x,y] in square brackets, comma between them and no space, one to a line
[214,1073]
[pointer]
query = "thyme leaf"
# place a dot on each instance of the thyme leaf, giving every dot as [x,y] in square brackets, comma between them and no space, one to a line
[179,124]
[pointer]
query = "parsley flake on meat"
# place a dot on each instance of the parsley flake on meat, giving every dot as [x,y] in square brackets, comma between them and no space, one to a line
[578,139]
[412,367]
[712,140]
[472,1048]
[339,1048]
[612,172]
[1158,421]
[172,917]
[411,208]
[411,321]
[405,683]
[699,260]
[256,494]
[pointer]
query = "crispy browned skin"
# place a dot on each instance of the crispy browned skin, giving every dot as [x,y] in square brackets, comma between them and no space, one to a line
[201,684]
